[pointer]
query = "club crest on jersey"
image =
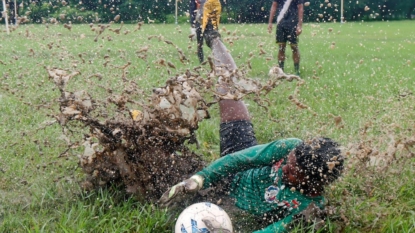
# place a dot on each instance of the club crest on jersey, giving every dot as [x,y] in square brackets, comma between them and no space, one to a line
[271,194]
[274,170]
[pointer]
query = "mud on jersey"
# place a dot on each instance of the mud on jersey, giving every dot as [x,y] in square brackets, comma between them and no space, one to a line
[257,186]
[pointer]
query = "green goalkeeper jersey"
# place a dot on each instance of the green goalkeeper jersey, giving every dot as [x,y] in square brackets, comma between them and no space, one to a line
[257,185]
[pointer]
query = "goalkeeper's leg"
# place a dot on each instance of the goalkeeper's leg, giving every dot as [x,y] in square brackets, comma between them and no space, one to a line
[236,130]
[221,56]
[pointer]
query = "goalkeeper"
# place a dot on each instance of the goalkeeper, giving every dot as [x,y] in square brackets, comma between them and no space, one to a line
[277,181]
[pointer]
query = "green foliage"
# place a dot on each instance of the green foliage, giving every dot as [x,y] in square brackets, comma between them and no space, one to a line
[74,16]
[241,11]
[180,19]
[247,11]
[39,11]
[319,10]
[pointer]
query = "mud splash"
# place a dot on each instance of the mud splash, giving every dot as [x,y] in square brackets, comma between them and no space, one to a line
[143,145]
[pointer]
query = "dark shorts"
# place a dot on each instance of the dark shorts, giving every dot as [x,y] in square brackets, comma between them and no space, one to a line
[236,136]
[287,33]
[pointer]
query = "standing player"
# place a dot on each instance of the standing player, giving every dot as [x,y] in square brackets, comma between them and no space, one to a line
[196,29]
[289,27]
[211,10]
[203,12]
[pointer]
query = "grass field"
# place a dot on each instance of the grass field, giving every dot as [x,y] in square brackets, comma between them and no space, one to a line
[359,89]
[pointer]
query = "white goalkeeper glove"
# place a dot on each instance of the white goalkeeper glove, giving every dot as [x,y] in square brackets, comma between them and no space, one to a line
[181,191]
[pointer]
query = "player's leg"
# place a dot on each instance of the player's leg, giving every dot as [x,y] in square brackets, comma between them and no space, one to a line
[296,58]
[281,39]
[293,39]
[281,55]
[236,130]
[199,37]
[222,59]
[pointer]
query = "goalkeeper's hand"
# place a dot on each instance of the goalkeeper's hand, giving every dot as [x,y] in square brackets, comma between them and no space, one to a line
[211,12]
[181,191]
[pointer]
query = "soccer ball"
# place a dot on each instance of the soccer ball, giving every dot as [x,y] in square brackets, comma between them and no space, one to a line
[190,220]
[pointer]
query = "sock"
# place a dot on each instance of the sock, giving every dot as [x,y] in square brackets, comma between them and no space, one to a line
[297,68]
[281,65]
[200,54]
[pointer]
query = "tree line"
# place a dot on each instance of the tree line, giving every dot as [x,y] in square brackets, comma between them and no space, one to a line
[233,11]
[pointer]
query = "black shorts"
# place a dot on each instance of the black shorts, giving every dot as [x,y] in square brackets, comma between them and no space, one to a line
[236,136]
[287,33]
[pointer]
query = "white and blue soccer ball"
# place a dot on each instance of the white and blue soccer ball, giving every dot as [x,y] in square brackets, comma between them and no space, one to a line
[190,220]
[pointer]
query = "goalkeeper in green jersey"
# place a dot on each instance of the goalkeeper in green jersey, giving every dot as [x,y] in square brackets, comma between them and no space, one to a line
[277,181]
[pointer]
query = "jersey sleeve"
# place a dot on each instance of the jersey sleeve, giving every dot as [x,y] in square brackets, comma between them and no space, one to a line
[253,157]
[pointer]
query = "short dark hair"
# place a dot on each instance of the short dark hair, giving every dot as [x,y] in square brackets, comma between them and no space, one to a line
[321,161]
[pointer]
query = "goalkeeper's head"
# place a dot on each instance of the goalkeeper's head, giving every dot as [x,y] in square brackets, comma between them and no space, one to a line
[313,164]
